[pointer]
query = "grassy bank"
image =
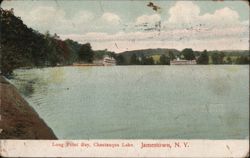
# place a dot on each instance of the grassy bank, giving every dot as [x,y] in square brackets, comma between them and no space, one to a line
[18,119]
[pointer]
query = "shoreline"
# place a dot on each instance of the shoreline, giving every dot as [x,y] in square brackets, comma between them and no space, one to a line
[18,119]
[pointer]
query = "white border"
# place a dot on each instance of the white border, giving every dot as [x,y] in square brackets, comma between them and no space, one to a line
[155,148]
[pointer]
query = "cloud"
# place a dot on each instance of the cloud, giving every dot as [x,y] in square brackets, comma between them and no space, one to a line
[178,35]
[45,18]
[148,19]
[148,23]
[183,12]
[83,17]
[185,27]
[216,38]
[45,15]
[221,17]
[221,29]
[230,43]
[187,14]
[55,20]
[38,16]
[111,18]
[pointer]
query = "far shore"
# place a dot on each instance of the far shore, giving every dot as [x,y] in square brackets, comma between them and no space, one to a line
[18,119]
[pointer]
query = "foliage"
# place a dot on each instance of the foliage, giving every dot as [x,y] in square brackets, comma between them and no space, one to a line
[243,60]
[203,58]
[147,60]
[164,60]
[188,54]
[171,55]
[217,58]
[134,60]
[9,60]
[100,54]
[120,59]
[149,52]
[229,60]
[24,47]
[86,54]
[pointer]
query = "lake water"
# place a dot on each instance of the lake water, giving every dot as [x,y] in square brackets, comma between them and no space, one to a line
[140,102]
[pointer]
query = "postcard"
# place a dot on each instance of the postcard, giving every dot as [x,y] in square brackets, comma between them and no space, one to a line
[124,78]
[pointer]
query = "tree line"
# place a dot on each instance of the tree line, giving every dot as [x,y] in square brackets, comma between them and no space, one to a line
[24,47]
[202,58]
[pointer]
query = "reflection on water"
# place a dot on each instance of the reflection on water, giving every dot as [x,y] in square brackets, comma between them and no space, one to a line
[56,76]
[26,88]
[140,102]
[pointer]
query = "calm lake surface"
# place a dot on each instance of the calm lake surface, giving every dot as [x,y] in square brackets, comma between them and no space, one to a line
[140,102]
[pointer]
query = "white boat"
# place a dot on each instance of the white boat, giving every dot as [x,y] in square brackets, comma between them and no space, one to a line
[183,62]
[109,61]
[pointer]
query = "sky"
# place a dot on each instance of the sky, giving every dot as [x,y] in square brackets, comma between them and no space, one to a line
[122,25]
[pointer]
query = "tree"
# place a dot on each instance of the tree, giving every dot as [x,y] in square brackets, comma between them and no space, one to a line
[243,60]
[120,59]
[215,58]
[22,46]
[203,58]
[150,61]
[9,59]
[218,58]
[229,60]
[147,60]
[74,48]
[86,53]
[172,56]
[164,60]
[222,55]
[52,54]
[188,54]
[134,60]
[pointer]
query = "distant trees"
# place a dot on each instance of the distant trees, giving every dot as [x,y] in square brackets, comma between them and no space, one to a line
[142,60]
[229,60]
[171,56]
[74,48]
[243,60]
[86,53]
[100,54]
[134,60]
[147,61]
[221,59]
[217,58]
[203,58]
[120,59]
[164,60]
[188,54]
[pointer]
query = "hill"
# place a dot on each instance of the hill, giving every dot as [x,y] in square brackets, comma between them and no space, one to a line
[229,56]
[148,53]
[231,52]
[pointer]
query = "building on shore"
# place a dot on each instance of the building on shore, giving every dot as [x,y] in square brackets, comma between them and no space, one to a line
[182,62]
